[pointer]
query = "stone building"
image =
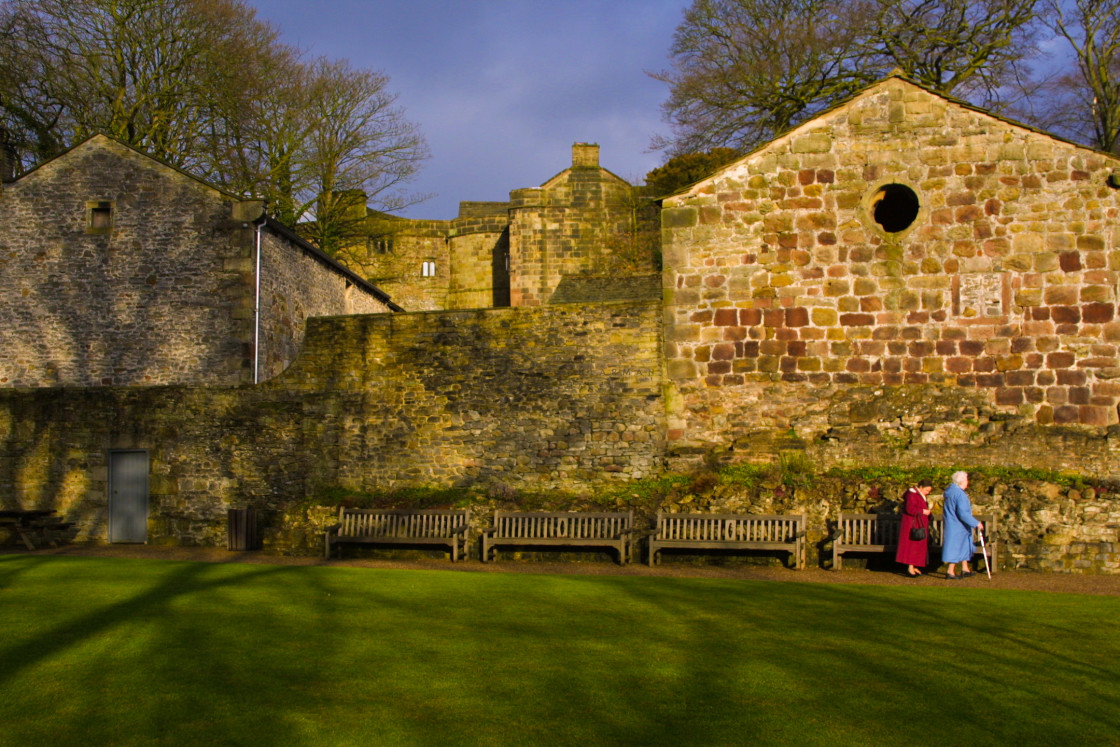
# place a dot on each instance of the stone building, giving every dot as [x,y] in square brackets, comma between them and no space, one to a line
[116,269]
[905,262]
[496,254]
[904,280]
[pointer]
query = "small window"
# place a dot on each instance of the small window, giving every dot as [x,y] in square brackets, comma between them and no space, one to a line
[100,217]
[380,244]
[428,269]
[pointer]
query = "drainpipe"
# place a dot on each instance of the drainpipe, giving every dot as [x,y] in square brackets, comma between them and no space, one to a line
[257,307]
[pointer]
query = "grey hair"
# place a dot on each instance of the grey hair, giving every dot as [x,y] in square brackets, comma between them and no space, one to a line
[960,478]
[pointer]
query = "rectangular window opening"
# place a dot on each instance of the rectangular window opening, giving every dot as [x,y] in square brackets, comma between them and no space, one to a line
[100,217]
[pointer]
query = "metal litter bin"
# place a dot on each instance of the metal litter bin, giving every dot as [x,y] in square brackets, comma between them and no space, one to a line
[243,529]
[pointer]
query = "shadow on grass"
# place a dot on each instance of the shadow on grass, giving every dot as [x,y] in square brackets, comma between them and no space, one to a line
[329,655]
[168,651]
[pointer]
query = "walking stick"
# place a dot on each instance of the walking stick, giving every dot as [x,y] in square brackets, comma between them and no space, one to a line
[984,549]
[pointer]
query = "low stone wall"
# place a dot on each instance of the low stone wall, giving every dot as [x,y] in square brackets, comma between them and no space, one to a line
[900,426]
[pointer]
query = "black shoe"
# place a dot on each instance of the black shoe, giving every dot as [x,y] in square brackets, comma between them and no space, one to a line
[966,574]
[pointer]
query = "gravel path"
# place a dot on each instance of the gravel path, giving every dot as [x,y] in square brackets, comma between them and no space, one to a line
[1017,580]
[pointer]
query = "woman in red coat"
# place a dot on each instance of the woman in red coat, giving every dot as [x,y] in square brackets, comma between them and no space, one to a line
[915,513]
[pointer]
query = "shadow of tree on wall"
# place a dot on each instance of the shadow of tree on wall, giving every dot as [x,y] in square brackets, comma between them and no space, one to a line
[150,301]
[464,398]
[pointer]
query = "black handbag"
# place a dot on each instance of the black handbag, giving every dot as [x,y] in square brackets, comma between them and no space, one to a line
[917,533]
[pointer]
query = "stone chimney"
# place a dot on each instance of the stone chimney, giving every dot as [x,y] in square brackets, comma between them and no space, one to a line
[585,155]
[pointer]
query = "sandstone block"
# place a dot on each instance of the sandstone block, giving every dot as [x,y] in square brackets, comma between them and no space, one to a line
[813,142]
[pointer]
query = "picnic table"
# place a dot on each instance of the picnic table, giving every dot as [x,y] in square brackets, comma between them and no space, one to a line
[27,523]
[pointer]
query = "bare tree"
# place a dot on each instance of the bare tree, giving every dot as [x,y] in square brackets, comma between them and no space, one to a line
[746,70]
[970,48]
[1087,104]
[30,114]
[140,70]
[205,86]
[362,150]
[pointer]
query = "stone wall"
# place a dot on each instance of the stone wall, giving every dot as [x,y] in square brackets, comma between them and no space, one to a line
[1041,525]
[394,258]
[298,283]
[469,254]
[496,254]
[479,277]
[561,227]
[558,398]
[156,296]
[900,243]
[116,269]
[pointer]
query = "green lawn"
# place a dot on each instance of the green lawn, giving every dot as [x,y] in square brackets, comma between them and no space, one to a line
[111,651]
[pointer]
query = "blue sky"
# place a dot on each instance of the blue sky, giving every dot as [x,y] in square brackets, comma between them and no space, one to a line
[502,88]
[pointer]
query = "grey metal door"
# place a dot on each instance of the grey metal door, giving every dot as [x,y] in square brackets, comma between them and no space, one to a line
[128,496]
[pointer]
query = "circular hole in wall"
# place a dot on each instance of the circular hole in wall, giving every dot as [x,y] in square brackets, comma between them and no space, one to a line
[895,207]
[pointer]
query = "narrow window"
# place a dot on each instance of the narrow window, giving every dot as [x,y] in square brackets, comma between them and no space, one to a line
[428,269]
[380,244]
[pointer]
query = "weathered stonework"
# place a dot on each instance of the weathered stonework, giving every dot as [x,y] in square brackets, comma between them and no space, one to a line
[497,254]
[561,227]
[563,397]
[161,290]
[903,281]
[901,240]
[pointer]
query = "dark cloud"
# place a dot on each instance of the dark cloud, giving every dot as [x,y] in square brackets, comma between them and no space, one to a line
[502,88]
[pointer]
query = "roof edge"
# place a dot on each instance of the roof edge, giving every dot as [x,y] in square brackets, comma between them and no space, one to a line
[895,74]
[137,151]
[330,262]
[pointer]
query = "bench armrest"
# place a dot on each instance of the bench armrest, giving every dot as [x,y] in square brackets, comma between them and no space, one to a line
[489,530]
[462,528]
[332,529]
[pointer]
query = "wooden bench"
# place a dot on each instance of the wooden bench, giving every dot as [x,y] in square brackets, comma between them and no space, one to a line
[879,533]
[560,529]
[375,526]
[729,532]
[25,524]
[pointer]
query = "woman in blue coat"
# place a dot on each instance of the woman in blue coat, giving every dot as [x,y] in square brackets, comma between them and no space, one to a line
[956,546]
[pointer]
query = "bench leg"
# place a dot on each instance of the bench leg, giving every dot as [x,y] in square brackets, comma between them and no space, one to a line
[24,535]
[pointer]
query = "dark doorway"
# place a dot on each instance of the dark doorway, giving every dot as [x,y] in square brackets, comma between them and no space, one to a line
[500,270]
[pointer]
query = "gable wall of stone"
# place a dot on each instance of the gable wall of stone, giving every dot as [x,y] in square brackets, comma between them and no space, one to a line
[158,298]
[785,296]
[559,229]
